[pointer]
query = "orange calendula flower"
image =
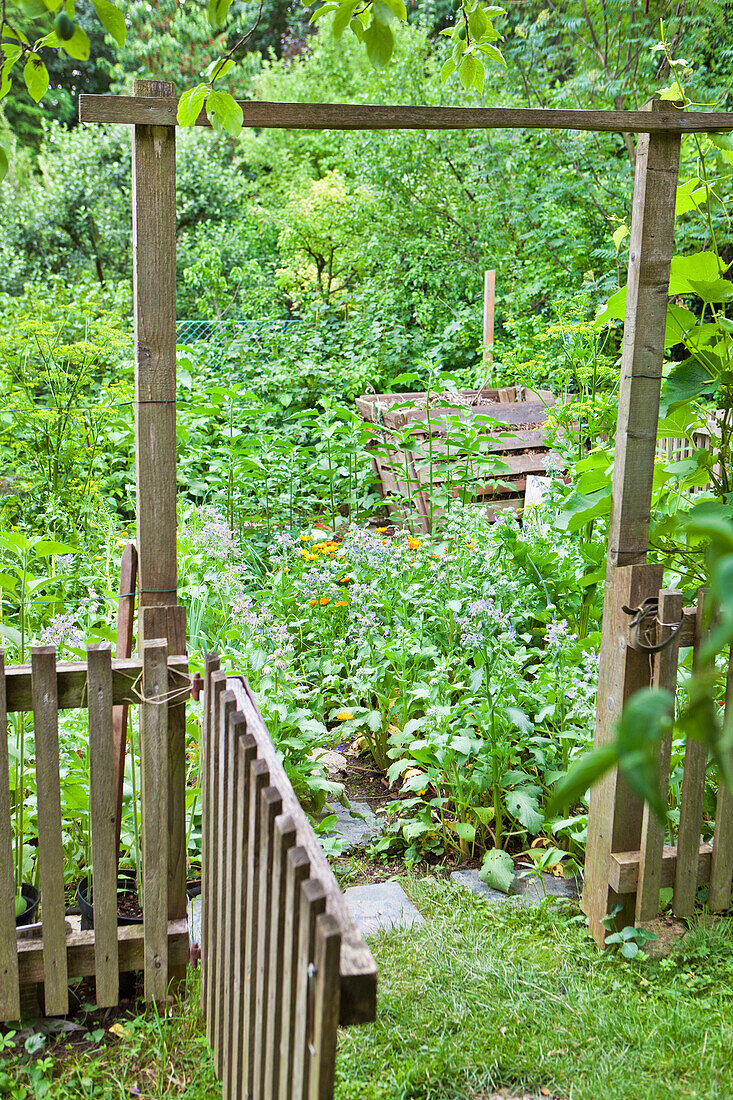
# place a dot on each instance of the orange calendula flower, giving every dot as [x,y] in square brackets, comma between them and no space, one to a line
[341,603]
[286,570]
[305,538]
[436,556]
[382,530]
[413,543]
[324,600]
[313,602]
[345,580]
[344,715]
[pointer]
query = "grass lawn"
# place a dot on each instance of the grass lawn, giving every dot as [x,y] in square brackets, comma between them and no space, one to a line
[477,999]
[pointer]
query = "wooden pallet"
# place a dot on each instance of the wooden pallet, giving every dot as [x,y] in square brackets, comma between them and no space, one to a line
[420,453]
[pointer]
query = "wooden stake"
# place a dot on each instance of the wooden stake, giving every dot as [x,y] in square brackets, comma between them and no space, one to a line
[489,304]
[123,648]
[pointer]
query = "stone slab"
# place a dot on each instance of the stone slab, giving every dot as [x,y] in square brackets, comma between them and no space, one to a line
[355,826]
[380,907]
[525,888]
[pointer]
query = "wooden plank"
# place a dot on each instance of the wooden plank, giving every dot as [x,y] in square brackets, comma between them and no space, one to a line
[270,809]
[312,905]
[50,846]
[80,951]
[489,308]
[154,303]
[103,806]
[531,414]
[664,678]
[209,929]
[284,840]
[231,855]
[297,871]
[9,991]
[71,683]
[211,665]
[650,255]
[123,649]
[222,854]
[246,752]
[177,853]
[358,970]
[615,816]
[160,110]
[154,783]
[721,872]
[623,875]
[324,1026]
[692,797]
[259,778]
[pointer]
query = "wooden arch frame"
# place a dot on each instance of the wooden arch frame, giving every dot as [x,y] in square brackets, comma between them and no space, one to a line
[151,111]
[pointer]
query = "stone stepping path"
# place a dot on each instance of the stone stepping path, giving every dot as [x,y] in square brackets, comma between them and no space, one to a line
[380,907]
[525,889]
[355,827]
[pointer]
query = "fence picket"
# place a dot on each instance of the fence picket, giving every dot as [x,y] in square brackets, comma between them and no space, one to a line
[298,869]
[326,1005]
[652,830]
[691,805]
[283,841]
[154,769]
[721,870]
[50,847]
[246,751]
[271,808]
[222,856]
[102,802]
[259,779]
[233,729]
[312,905]
[9,988]
[209,929]
[211,665]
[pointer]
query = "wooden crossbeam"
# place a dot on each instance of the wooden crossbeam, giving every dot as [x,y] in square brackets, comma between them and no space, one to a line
[162,110]
[80,951]
[73,689]
[623,875]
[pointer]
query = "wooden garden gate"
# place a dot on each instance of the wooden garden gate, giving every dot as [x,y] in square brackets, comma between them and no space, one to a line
[152,112]
[282,962]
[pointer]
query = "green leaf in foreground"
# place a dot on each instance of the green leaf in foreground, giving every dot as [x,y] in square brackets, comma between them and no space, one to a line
[497,870]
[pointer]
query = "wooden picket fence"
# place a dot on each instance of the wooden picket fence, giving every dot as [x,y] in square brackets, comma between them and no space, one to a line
[654,635]
[282,962]
[49,953]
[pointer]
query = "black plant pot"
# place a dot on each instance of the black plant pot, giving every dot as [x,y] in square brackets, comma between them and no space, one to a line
[33,899]
[126,886]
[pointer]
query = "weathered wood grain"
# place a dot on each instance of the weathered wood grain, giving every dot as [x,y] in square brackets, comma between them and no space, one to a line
[623,876]
[322,1049]
[259,779]
[615,815]
[692,796]
[283,842]
[270,809]
[154,782]
[297,871]
[123,649]
[102,801]
[211,665]
[80,951]
[9,991]
[50,846]
[650,256]
[721,871]
[154,305]
[246,752]
[664,678]
[71,683]
[160,110]
[358,969]
[223,856]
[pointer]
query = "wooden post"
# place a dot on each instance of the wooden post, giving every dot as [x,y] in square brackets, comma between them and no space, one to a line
[489,305]
[721,871]
[615,818]
[9,990]
[154,297]
[650,256]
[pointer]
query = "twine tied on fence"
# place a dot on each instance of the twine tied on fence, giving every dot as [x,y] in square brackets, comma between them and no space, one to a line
[646,618]
[173,696]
